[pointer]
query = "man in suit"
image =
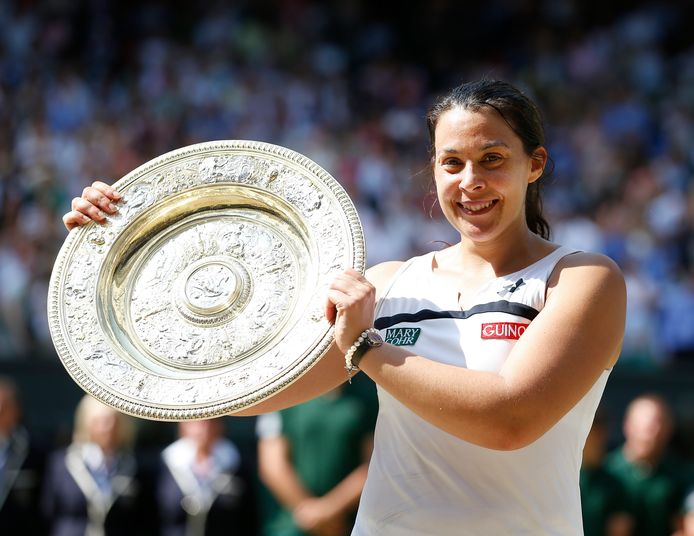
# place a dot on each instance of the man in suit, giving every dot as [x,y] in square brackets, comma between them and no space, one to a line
[20,468]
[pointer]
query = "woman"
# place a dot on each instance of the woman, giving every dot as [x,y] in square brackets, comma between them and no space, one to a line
[500,345]
[94,487]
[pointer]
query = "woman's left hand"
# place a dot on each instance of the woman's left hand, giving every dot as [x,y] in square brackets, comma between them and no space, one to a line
[350,306]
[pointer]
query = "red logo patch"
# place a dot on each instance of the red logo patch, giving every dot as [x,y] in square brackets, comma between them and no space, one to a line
[503,330]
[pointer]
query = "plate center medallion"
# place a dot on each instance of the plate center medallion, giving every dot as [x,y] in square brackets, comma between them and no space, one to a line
[211,288]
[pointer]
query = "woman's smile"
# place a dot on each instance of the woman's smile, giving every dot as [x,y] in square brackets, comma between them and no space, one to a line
[477,208]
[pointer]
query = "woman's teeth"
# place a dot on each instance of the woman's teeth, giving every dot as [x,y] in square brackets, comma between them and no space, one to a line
[475,208]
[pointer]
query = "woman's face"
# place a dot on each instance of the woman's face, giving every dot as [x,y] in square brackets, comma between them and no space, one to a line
[103,428]
[204,433]
[482,173]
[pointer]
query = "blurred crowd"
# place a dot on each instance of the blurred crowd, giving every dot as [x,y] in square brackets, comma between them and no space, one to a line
[101,485]
[93,89]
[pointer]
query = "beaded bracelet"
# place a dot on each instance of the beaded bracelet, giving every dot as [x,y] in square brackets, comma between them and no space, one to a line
[349,366]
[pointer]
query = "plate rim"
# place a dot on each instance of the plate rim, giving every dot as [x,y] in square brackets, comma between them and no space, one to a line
[288,376]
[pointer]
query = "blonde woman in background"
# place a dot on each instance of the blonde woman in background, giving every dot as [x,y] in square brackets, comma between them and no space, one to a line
[205,486]
[94,487]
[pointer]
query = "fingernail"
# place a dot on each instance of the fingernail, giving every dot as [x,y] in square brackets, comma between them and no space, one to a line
[112,207]
[102,214]
[117,195]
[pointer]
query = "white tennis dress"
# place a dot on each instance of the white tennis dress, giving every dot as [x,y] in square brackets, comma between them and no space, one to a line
[424,481]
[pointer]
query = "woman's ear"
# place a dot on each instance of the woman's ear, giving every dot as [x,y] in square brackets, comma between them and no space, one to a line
[538,160]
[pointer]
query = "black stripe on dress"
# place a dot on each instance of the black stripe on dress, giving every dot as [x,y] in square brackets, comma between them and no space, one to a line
[501,306]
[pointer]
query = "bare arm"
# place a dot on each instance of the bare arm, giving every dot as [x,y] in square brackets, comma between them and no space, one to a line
[329,372]
[325,515]
[344,497]
[560,356]
[100,199]
[278,474]
[619,524]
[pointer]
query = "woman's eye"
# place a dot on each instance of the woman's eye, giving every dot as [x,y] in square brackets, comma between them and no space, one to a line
[491,158]
[451,162]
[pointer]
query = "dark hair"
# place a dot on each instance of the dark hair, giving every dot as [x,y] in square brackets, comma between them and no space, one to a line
[519,112]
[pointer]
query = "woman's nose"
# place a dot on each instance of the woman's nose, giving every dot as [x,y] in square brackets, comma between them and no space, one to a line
[470,179]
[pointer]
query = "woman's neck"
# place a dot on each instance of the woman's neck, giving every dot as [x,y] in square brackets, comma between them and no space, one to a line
[503,256]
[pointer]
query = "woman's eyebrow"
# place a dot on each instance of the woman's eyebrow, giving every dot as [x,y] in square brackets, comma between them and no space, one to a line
[484,147]
[494,143]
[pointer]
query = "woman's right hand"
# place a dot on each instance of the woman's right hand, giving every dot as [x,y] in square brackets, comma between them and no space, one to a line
[350,305]
[97,202]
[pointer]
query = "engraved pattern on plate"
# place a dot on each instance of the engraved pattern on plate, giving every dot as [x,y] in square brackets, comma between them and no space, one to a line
[177,338]
[210,315]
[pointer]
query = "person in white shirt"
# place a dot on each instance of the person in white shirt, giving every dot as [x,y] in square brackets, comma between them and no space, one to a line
[96,486]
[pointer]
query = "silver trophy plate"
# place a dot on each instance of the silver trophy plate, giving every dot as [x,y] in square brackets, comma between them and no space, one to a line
[205,294]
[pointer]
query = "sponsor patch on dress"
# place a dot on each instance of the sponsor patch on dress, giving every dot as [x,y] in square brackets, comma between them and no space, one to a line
[402,336]
[503,330]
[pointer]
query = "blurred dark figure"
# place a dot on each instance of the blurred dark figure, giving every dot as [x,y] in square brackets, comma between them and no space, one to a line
[204,486]
[20,468]
[313,458]
[603,498]
[95,487]
[652,479]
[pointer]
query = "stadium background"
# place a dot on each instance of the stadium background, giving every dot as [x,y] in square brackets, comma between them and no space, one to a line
[92,89]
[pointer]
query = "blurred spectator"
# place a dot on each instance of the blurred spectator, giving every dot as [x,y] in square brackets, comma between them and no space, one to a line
[313,458]
[651,478]
[205,487]
[677,318]
[686,521]
[95,487]
[20,468]
[603,498]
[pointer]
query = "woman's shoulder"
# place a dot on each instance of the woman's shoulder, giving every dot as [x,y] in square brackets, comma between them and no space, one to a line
[383,270]
[590,260]
[590,270]
[381,274]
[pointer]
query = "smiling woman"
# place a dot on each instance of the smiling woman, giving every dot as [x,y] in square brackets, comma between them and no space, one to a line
[482,173]
[520,114]
[483,416]
[490,356]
